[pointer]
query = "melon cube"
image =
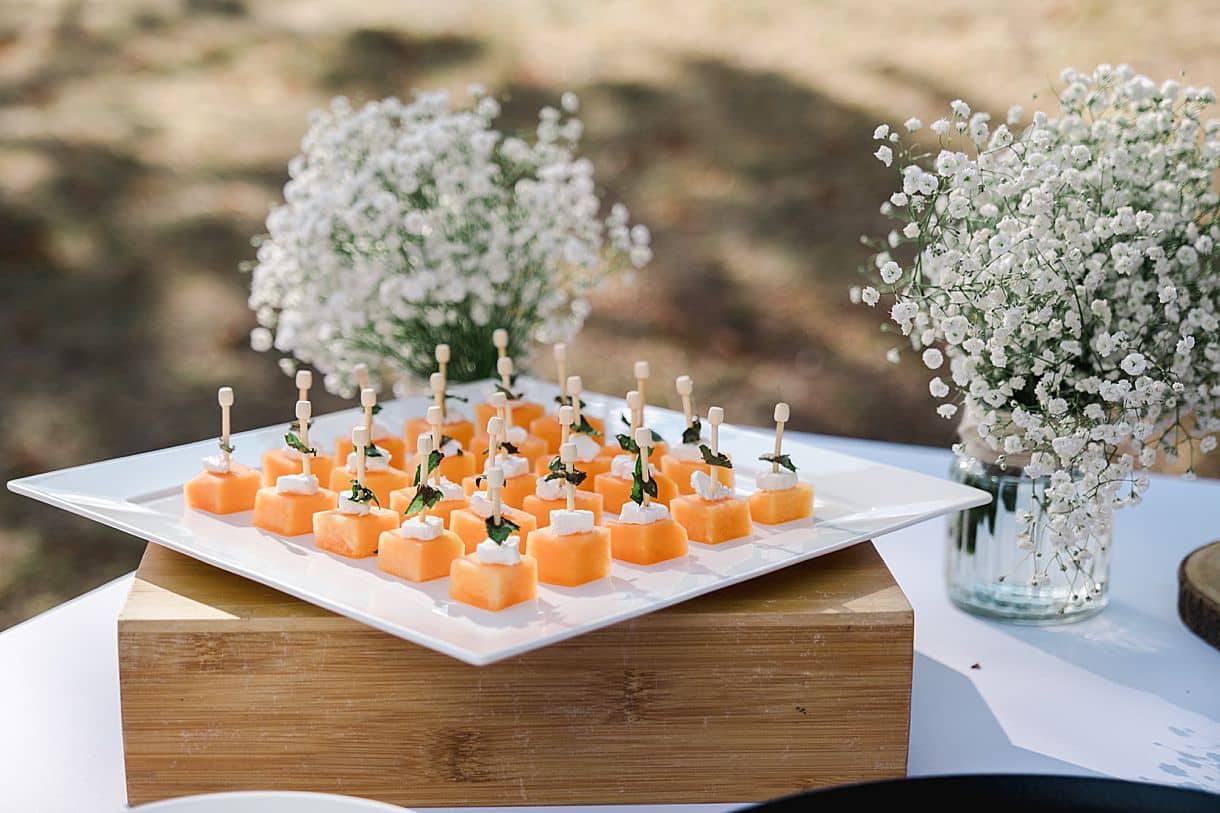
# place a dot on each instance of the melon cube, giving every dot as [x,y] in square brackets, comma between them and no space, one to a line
[523,413]
[472,529]
[547,427]
[290,514]
[647,544]
[461,431]
[418,560]
[616,491]
[225,493]
[572,559]
[392,447]
[785,505]
[278,462]
[493,587]
[680,471]
[712,521]
[380,481]
[452,467]
[541,509]
[351,535]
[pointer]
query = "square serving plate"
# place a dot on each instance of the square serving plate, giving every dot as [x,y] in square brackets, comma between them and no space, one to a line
[855,500]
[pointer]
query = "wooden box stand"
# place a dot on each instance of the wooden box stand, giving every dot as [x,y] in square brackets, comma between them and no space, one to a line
[794,680]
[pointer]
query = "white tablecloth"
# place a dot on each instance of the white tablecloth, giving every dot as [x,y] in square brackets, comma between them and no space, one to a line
[1130,693]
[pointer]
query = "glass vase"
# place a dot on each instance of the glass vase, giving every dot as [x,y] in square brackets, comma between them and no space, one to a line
[992,571]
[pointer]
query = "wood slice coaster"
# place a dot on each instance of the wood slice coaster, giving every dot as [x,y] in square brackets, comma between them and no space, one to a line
[1199,593]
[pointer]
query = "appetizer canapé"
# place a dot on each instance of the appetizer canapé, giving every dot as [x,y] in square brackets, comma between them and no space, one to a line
[224,486]
[714,513]
[780,497]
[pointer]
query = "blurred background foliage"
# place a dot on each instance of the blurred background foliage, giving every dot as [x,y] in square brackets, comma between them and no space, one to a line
[141,144]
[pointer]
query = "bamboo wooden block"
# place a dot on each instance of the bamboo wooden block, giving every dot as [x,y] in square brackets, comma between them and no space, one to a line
[798,679]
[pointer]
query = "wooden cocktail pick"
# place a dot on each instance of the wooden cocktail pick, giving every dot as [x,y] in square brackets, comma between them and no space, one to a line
[781,417]
[368,400]
[442,366]
[504,366]
[635,402]
[304,412]
[643,439]
[424,447]
[360,442]
[715,417]
[567,456]
[642,373]
[561,368]
[495,482]
[685,387]
[435,420]
[361,371]
[304,381]
[436,383]
[224,397]
[495,427]
[567,417]
[575,387]
[499,402]
[499,338]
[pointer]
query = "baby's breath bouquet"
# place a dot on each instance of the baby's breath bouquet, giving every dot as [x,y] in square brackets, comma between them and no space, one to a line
[405,225]
[1060,279]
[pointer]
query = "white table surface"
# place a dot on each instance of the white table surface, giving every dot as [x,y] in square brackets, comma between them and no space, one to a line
[1130,693]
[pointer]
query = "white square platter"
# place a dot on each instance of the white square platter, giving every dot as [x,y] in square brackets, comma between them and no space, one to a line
[855,500]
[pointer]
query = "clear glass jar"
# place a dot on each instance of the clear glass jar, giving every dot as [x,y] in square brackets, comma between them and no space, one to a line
[990,571]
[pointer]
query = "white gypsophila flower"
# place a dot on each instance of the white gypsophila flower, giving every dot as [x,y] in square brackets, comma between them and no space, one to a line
[408,224]
[884,154]
[1064,265]
[893,356]
[912,125]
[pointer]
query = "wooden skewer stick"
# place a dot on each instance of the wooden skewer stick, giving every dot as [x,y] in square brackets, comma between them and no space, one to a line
[499,402]
[642,373]
[567,455]
[362,375]
[575,387]
[224,396]
[495,482]
[436,383]
[368,400]
[304,411]
[495,427]
[360,442]
[442,364]
[635,403]
[643,439]
[304,382]
[685,387]
[561,370]
[715,417]
[424,447]
[504,366]
[499,338]
[567,417]
[781,417]
[435,419]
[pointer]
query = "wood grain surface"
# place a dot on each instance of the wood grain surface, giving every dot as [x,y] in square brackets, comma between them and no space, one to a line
[798,679]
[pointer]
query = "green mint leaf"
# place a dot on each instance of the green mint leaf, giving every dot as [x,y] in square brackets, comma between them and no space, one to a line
[509,394]
[721,459]
[511,448]
[627,443]
[225,447]
[782,459]
[500,533]
[294,442]
[640,487]
[690,435]
[461,398]
[586,428]
[426,496]
[434,460]
[376,410]
[566,400]
[446,440]
[372,451]
[362,494]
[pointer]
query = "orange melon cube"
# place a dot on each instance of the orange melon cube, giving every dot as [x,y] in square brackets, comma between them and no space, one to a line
[785,505]
[350,535]
[225,493]
[472,528]
[278,462]
[648,544]
[290,514]
[541,509]
[401,499]
[392,447]
[379,481]
[418,560]
[461,431]
[572,559]
[493,587]
[547,427]
[515,490]
[712,521]
[454,468]
[532,448]
[615,490]
[680,472]
[523,413]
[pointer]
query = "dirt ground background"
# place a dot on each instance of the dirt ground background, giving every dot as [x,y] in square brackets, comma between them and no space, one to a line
[141,144]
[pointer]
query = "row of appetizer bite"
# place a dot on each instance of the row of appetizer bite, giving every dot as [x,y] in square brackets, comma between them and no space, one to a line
[500,510]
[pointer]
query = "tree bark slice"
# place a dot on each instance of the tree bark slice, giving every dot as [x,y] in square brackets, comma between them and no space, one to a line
[1199,593]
